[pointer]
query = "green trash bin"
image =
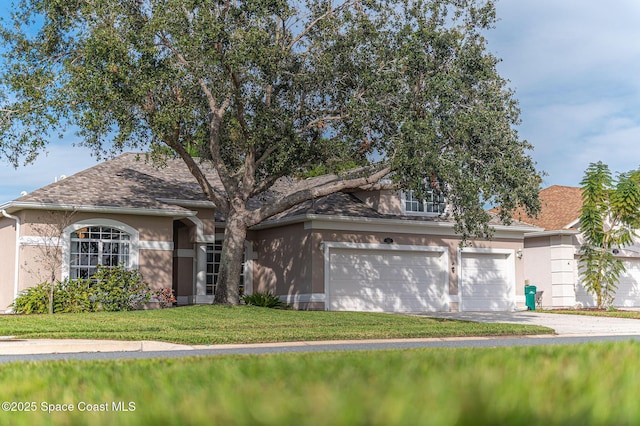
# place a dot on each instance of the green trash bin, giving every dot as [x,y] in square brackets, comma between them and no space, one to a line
[530,297]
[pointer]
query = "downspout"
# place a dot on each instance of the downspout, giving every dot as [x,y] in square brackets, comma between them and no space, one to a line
[17,257]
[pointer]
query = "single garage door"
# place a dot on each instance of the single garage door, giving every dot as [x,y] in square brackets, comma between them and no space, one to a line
[384,280]
[486,281]
[628,293]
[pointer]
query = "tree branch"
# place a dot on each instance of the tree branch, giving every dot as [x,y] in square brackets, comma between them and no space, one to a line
[321,121]
[214,122]
[315,22]
[213,195]
[306,194]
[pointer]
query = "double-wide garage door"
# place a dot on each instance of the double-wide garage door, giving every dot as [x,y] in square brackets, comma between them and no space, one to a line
[385,280]
[416,279]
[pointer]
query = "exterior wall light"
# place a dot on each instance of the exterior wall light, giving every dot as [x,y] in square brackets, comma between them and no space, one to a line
[388,240]
[519,253]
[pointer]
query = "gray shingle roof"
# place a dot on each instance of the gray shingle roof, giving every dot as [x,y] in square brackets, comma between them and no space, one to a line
[127,181]
[130,182]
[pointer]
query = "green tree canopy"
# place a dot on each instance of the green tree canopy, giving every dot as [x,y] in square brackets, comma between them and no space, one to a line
[261,89]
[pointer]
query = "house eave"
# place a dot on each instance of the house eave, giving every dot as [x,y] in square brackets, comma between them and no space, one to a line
[556,232]
[16,206]
[350,223]
[191,204]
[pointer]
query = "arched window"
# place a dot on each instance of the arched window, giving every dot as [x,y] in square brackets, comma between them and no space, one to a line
[97,245]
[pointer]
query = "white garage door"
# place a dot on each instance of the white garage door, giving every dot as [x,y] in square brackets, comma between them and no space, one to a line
[628,293]
[383,280]
[486,281]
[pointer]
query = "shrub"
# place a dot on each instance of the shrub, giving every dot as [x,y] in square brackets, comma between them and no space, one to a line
[109,289]
[74,296]
[119,289]
[265,300]
[165,297]
[34,300]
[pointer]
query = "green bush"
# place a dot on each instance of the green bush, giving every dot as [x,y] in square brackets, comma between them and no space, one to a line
[109,289]
[265,300]
[119,289]
[74,296]
[34,300]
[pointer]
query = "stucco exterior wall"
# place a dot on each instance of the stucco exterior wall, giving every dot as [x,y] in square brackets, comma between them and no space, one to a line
[184,257]
[282,263]
[42,242]
[156,266]
[7,261]
[385,202]
[537,267]
[291,259]
[551,265]
[207,217]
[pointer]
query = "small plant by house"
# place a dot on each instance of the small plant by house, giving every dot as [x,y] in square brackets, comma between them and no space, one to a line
[165,297]
[264,300]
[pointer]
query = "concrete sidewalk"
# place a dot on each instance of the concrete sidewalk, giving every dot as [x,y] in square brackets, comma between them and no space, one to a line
[564,325]
[17,346]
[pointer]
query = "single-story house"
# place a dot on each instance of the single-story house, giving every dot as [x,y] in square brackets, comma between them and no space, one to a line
[367,251]
[551,256]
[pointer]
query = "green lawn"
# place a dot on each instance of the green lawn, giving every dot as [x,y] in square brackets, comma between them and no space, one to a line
[597,313]
[244,324]
[592,384]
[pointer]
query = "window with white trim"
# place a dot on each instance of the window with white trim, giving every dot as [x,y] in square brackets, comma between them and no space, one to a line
[434,202]
[97,245]
[214,254]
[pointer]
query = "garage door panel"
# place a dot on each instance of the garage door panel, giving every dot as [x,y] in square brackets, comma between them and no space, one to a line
[628,293]
[386,280]
[372,274]
[486,283]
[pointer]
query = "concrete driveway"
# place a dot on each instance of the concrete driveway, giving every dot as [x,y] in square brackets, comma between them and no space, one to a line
[577,325]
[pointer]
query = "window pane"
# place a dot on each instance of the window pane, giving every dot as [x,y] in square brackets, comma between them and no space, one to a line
[214,254]
[97,245]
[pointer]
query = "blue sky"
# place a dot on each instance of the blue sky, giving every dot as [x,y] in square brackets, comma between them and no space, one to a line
[575,67]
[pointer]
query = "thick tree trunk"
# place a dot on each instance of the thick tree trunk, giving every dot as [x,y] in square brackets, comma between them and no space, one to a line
[228,283]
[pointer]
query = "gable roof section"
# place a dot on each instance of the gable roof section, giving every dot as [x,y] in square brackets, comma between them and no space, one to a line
[560,208]
[126,182]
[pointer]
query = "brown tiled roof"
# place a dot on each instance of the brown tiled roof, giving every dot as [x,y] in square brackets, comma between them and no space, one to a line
[560,208]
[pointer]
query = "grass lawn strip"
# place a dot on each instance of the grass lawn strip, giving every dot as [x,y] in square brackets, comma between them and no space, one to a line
[597,313]
[207,324]
[592,384]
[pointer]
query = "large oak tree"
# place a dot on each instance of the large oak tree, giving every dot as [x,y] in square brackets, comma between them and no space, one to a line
[262,89]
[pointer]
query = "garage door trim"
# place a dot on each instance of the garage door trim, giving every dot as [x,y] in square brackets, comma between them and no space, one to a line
[510,273]
[444,259]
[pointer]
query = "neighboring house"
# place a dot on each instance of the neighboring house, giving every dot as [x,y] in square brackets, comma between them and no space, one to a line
[367,251]
[551,256]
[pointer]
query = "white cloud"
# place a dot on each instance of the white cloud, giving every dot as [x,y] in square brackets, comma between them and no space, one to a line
[574,67]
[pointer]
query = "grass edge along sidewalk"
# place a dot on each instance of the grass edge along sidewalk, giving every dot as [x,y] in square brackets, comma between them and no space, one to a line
[207,324]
